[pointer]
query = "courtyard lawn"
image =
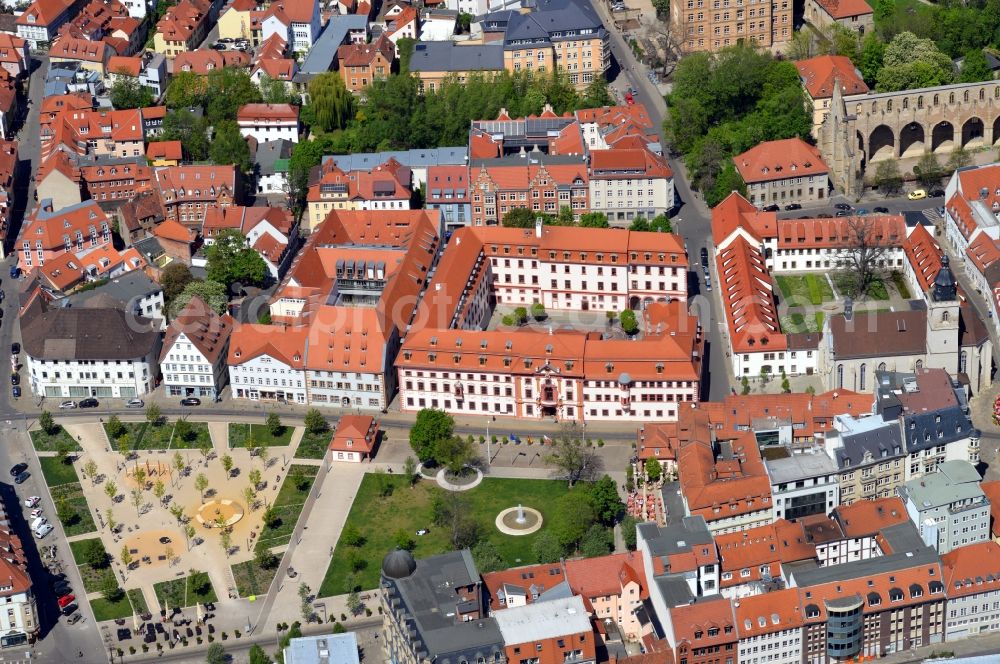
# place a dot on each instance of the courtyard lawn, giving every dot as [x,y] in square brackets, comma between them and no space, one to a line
[260,434]
[252,579]
[58,471]
[288,505]
[198,437]
[179,593]
[410,509]
[805,288]
[79,520]
[91,575]
[845,284]
[130,602]
[51,442]
[313,445]
[899,281]
[797,322]
[135,431]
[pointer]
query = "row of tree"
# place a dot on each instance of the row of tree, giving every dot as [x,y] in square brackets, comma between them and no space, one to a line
[725,103]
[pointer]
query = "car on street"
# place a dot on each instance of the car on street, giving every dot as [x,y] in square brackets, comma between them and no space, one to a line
[15,379]
[880,210]
[66,405]
[74,619]
[68,610]
[32,501]
[15,348]
[629,98]
[61,587]
[65,600]
[917,194]
[936,193]
[135,403]
[89,402]
[35,513]
[17,469]
[772,208]
[842,206]
[862,211]
[843,213]
[21,477]
[191,401]
[708,283]
[16,392]
[793,206]
[704,257]
[43,530]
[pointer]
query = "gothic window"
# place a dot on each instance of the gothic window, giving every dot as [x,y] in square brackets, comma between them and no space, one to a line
[906,103]
[881,366]
[982,94]
[862,376]
[919,365]
[944,316]
[951,97]
[965,97]
[840,376]
[920,102]
[888,106]
[936,99]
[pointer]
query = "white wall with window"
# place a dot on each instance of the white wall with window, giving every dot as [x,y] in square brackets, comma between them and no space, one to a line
[264,378]
[188,373]
[119,379]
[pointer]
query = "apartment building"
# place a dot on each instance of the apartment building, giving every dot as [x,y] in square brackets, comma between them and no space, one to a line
[83,131]
[783,172]
[712,25]
[92,55]
[49,233]
[948,507]
[188,192]
[629,183]
[435,61]
[972,585]
[769,628]
[40,22]
[8,178]
[542,183]
[269,122]
[295,21]
[20,623]
[448,192]
[182,28]
[557,630]
[360,65]
[387,186]
[803,484]
[870,457]
[193,358]
[973,229]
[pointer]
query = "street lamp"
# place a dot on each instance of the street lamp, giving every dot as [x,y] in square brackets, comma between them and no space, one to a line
[489,455]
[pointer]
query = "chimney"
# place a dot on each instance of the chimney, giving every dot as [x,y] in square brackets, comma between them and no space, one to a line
[538,227]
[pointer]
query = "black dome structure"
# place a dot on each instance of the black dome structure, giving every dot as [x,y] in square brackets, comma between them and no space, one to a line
[398,564]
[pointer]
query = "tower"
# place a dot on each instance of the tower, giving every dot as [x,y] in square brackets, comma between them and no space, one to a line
[942,320]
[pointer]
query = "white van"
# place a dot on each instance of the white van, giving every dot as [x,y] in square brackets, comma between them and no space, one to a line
[43,530]
[39,522]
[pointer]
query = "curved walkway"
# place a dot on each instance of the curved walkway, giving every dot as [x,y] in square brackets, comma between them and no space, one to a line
[449,486]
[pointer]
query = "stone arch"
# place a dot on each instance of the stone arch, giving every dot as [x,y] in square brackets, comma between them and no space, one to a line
[972,132]
[996,128]
[911,139]
[861,150]
[943,137]
[881,143]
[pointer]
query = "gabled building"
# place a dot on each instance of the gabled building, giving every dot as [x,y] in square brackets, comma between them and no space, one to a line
[234,20]
[269,122]
[188,192]
[972,585]
[193,359]
[360,65]
[820,75]
[782,172]
[295,21]
[769,627]
[554,631]
[626,184]
[856,15]
[355,439]
[448,191]
[14,56]
[49,233]
[948,507]
[385,187]
[203,61]
[182,28]
[433,62]
[40,22]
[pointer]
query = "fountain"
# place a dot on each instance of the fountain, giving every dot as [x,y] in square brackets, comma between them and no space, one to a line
[520,515]
[519,520]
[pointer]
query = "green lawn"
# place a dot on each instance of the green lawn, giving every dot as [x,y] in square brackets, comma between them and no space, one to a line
[805,288]
[240,433]
[50,442]
[878,291]
[797,322]
[80,520]
[288,505]
[78,546]
[58,471]
[313,446]
[185,592]
[155,436]
[899,281]
[251,579]
[146,436]
[91,576]
[135,431]
[411,509]
[845,284]
[129,603]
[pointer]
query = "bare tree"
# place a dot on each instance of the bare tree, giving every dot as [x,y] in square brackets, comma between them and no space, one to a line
[574,460]
[864,256]
[669,38]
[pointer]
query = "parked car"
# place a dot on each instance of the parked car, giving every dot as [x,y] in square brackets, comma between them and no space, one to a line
[862,211]
[15,348]
[629,98]
[17,469]
[16,392]
[65,601]
[843,213]
[135,403]
[22,477]
[708,283]
[191,401]
[842,206]
[32,501]
[38,522]
[15,379]
[43,531]
[793,206]
[917,194]
[704,257]
[74,619]
[936,193]
[880,210]
[89,402]
[61,588]
[772,208]
[69,609]
[37,512]
[66,405]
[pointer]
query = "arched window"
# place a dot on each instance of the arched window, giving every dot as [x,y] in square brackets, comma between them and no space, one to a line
[945,316]
[951,97]
[996,92]
[840,376]
[982,94]
[906,103]
[862,377]
[965,97]
[881,367]
[874,107]
[920,102]
[936,99]
[888,106]
[962,361]
[919,365]
[859,109]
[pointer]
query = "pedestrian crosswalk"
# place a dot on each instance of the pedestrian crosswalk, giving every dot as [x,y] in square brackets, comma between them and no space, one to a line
[934,216]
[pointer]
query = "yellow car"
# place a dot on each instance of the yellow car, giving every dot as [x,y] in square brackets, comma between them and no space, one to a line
[917,194]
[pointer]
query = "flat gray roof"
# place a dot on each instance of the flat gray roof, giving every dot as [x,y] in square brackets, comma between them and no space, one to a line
[324,50]
[415,158]
[954,481]
[859,569]
[543,620]
[450,57]
[323,649]
[800,466]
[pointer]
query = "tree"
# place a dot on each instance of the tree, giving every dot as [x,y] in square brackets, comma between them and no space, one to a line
[258,656]
[192,131]
[178,463]
[47,424]
[153,414]
[111,489]
[229,147]
[607,503]
[627,526]
[127,92]
[305,156]
[547,548]
[803,45]
[187,89]
[845,42]
[404,540]
[928,170]
[745,384]
[870,59]
[114,427]
[315,422]
[177,512]
[125,445]
[887,177]
[273,91]
[212,293]
[305,603]
[265,559]
[727,181]
[594,220]
[451,509]
[519,218]
[487,557]
[520,315]
[183,430]
[573,460]
[189,534]
[226,540]
[959,158]
[571,517]
[110,588]
[596,541]
[455,453]
[430,426]
[911,62]
[125,556]
[136,500]
[596,94]
[93,553]
[274,424]
[352,537]
[255,477]
[90,470]
[159,490]
[354,602]
[865,254]
[538,311]
[229,88]
[974,67]
[410,469]
[658,224]
[216,654]
[465,22]
[64,511]
[405,46]
[331,104]
[630,325]
[653,469]
[227,464]
[200,484]
[174,277]
[109,518]
[231,260]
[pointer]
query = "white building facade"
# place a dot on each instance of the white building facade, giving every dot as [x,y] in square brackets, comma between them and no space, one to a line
[267,378]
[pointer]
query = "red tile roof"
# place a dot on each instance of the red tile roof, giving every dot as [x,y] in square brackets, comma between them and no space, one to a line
[693,623]
[44,12]
[165,150]
[204,61]
[201,326]
[182,20]
[363,55]
[768,613]
[119,64]
[924,254]
[625,164]
[286,345]
[868,517]
[174,231]
[748,300]
[972,569]
[355,433]
[299,11]
[607,575]
[886,230]
[750,551]
[778,160]
[267,112]
[839,9]
[82,50]
[723,485]
[820,73]
[992,491]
